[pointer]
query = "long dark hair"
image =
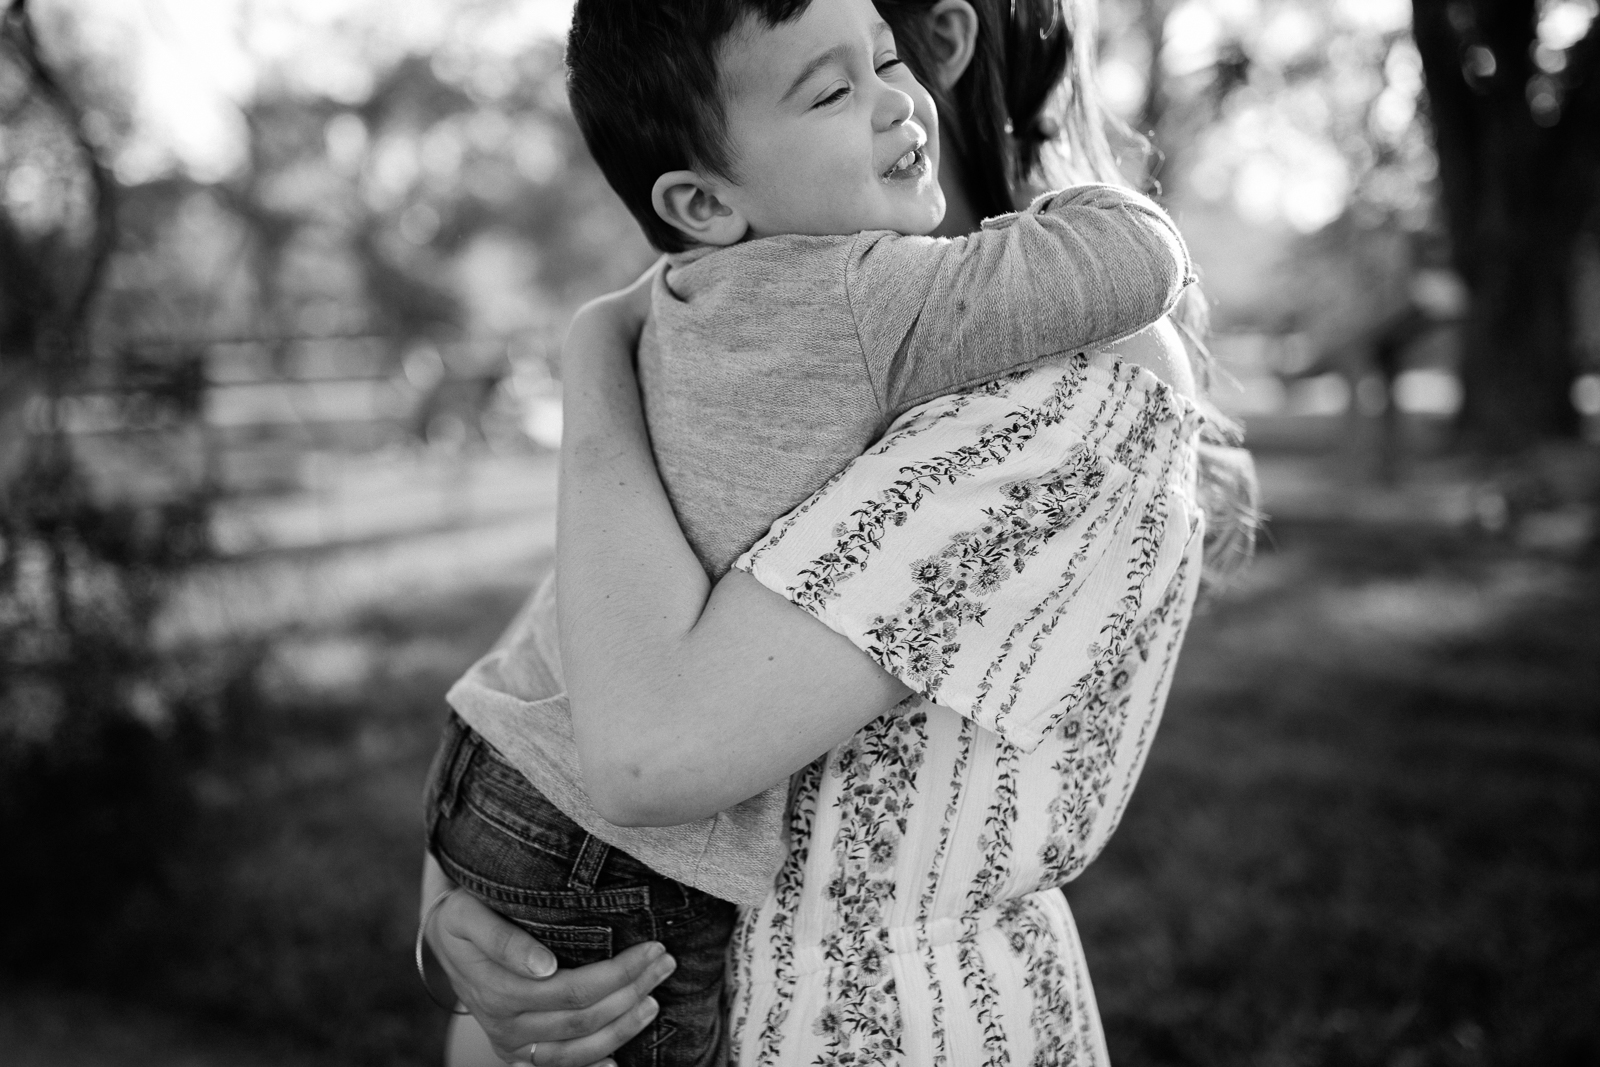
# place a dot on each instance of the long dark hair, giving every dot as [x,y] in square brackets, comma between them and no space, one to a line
[1030,91]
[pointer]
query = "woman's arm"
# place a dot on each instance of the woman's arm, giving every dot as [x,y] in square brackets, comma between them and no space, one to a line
[689,698]
[686,699]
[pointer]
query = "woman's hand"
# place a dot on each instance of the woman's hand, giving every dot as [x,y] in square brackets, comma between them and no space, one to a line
[510,983]
[608,327]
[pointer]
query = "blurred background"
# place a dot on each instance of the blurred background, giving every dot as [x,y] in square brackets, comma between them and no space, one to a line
[280,286]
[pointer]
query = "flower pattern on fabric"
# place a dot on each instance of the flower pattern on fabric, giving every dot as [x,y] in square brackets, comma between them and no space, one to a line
[1052,608]
[930,889]
[918,642]
[984,997]
[863,530]
[1055,1039]
[787,892]
[917,920]
[1068,476]
[877,774]
[911,424]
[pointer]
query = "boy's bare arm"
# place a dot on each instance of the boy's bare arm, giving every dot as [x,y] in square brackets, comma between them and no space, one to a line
[1080,269]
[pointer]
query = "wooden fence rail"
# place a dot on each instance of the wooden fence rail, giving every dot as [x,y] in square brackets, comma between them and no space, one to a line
[307,443]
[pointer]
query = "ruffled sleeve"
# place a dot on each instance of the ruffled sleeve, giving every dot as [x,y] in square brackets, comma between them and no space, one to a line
[997,549]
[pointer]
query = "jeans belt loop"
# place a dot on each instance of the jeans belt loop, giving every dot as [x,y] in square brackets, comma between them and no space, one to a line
[586,868]
[464,747]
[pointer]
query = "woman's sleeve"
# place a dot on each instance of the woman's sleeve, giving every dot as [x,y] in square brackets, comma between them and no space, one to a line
[997,549]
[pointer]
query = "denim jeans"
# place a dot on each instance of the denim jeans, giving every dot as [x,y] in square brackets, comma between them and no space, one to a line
[499,838]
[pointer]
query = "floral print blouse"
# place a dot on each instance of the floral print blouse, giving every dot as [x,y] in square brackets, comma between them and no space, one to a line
[1025,557]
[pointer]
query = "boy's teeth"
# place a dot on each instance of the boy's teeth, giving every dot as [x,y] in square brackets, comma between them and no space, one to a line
[904,161]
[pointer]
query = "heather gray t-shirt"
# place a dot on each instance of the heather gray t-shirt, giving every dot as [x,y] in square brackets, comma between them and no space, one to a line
[765,368]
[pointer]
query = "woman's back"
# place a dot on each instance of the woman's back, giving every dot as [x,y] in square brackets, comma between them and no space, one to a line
[916,920]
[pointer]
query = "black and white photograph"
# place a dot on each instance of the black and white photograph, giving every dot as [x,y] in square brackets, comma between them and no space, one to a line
[800,533]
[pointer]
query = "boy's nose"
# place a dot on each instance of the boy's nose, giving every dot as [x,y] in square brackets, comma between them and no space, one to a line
[895,108]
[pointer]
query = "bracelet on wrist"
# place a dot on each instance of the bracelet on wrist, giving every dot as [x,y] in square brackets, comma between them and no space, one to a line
[422,970]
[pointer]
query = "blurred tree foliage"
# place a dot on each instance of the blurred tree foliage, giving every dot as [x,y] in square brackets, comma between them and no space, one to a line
[92,792]
[1514,94]
[1300,113]
[424,197]
[1348,125]
[1298,118]
[448,194]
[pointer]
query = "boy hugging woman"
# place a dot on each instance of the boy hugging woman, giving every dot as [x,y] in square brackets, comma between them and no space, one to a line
[783,156]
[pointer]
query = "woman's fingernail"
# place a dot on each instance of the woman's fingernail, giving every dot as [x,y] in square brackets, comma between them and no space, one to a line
[655,952]
[650,1008]
[541,966]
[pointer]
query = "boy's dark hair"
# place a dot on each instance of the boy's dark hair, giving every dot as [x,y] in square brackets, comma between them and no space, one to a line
[643,80]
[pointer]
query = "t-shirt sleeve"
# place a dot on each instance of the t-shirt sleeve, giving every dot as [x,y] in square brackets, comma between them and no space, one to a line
[1007,552]
[1079,269]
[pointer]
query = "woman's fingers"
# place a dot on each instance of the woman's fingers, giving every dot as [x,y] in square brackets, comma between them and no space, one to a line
[593,1017]
[630,974]
[576,1016]
[595,1048]
[581,1015]
[498,941]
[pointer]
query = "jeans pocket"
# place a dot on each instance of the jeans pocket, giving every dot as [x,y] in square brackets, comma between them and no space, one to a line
[499,795]
[573,946]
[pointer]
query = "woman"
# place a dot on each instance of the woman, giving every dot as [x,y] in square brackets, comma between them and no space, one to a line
[802,688]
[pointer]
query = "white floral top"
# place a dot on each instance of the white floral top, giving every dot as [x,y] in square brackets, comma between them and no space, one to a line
[1026,554]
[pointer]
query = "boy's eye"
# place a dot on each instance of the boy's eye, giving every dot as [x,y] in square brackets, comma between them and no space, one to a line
[833,97]
[890,64]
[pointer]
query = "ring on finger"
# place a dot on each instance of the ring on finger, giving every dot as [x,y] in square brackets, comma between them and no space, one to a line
[533,1047]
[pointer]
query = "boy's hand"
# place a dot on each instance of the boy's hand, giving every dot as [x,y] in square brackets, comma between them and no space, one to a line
[510,983]
[1159,350]
[635,298]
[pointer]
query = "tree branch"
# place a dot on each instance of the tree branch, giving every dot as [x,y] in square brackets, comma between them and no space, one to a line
[18,27]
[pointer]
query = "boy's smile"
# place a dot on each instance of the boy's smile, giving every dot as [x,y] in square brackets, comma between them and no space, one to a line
[830,133]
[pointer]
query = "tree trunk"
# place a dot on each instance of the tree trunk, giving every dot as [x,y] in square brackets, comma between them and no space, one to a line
[1517,195]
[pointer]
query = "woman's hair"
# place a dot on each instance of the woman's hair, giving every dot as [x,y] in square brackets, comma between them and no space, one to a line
[1027,111]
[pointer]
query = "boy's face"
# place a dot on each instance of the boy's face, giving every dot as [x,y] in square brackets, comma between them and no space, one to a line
[830,132]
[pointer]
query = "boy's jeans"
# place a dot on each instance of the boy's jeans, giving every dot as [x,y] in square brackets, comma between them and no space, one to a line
[500,839]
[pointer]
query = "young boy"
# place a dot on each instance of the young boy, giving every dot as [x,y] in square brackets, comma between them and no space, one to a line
[786,159]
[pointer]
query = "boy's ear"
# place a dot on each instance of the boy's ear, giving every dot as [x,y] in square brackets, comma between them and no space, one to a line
[690,204]
[955,38]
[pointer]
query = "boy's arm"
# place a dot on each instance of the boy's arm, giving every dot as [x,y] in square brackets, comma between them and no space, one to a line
[1079,269]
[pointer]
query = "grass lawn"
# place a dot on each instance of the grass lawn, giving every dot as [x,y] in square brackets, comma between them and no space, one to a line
[1368,831]
[1366,835]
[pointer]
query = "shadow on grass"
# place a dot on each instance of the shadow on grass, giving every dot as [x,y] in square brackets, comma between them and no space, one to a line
[1367,832]
[283,932]
[1365,836]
